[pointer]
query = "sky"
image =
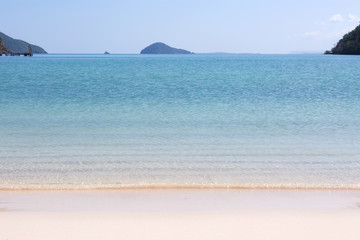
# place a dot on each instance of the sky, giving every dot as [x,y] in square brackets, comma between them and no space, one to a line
[200,26]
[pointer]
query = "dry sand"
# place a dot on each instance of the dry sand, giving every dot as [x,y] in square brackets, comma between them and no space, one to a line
[180,214]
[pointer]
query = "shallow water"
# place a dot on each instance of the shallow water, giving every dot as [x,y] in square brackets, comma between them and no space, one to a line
[84,121]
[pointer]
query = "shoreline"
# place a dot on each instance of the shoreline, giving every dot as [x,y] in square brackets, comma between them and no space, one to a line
[175,187]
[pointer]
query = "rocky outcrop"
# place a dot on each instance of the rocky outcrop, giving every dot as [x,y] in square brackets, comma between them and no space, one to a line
[162,48]
[349,44]
[19,46]
[3,48]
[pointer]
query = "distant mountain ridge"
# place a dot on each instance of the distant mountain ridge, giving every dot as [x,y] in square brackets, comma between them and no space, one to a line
[349,44]
[19,46]
[162,48]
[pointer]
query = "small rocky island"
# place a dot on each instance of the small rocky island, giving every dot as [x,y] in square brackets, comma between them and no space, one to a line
[349,44]
[162,48]
[18,46]
[106,52]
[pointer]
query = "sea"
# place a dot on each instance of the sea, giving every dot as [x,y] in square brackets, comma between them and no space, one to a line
[94,121]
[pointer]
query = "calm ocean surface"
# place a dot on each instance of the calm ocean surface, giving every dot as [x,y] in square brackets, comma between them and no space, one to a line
[84,121]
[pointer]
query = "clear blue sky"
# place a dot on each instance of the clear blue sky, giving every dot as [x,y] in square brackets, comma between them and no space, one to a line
[127,26]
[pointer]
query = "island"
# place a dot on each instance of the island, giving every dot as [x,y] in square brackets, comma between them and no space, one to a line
[162,48]
[19,46]
[349,44]
[106,52]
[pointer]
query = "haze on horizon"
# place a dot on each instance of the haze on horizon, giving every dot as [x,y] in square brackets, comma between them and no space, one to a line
[258,26]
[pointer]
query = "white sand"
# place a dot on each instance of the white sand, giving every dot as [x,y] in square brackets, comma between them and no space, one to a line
[180,215]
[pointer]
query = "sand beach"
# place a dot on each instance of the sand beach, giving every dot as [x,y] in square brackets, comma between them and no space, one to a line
[180,214]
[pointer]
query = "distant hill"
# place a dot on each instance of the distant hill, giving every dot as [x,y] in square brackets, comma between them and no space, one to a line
[162,48]
[19,46]
[349,44]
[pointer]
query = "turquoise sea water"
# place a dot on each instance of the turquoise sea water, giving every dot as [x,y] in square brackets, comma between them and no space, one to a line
[83,121]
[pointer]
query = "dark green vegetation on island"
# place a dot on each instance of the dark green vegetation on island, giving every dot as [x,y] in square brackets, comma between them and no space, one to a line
[349,44]
[162,48]
[19,46]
